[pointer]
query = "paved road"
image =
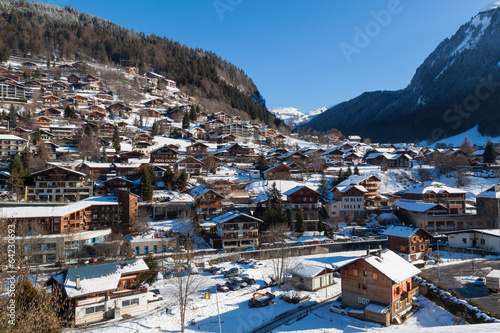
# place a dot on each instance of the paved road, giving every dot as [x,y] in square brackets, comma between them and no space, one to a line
[467,289]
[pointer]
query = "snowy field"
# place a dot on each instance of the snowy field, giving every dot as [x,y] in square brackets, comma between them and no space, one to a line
[236,316]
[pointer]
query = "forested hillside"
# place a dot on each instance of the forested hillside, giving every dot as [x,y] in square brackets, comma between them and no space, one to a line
[41,30]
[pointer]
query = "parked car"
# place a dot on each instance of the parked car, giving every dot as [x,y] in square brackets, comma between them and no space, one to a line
[232,285]
[299,244]
[248,280]
[232,270]
[264,246]
[337,307]
[167,275]
[240,261]
[480,281]
[152,297]
[219,251]
[251,248]
[221,288]
[239,281]
[155,291]
[234,249]
[316,242]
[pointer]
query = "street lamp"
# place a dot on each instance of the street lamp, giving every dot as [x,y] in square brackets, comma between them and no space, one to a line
[326,281]
[218,312]
[438,257]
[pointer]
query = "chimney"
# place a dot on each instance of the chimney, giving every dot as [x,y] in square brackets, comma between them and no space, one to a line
[379,252]
[78,287]
[368,251]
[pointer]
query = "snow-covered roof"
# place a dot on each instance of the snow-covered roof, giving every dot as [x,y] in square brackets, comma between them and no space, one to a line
[344,189]
[307,270]
[296,189]
[392,266]
[56,211]
[97,278]
[414,205]
[436,187]
[231,215]
[356,179]
[491,193]
[11,137]
[491,232]
[400,231]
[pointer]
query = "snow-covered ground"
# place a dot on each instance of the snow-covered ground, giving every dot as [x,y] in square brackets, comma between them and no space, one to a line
[236,316]
[293,116]
[474,136]
[323,320]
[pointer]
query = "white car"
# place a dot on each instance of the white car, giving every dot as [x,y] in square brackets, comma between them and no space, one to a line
[337,307]
[152,297]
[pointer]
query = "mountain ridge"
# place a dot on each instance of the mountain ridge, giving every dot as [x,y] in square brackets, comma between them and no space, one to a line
[440,100]
[41,29]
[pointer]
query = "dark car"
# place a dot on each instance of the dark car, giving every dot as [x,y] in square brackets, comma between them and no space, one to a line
[155,291]
[228,275]
[219,251]
[264,246]
[249,281]
[222,288]
[240,261]
[232,285]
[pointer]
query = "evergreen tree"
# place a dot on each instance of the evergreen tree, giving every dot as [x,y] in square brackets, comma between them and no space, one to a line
[348,173]
[490,155]
[17,176]
[147,184]
[37,136]
[300,226]
[155,129]
[356,170]
[185,121]
[150,275]
[69,112]
[168,178]
[12,116]
[183,181]
[193,115]
[116,139]
[88,130]
[262,163]
[323,189]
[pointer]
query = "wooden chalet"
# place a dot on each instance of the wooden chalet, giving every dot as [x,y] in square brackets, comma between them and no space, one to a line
[409,242]
[96,293]
[190,165]
[163,155]
[381,284]
[279,171]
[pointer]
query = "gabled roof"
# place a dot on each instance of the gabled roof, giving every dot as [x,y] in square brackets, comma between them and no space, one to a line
[298,188]
[97,278]
[344,189]
[394,267]
[491,232]
[417,206]
[400,231]
[188,158]
[62,168]
[356,179]
[436,187]
[308,270]
[277,165]
[231,215]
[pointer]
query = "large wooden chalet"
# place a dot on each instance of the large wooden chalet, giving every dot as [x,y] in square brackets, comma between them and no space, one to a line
[381,284]
[96,293]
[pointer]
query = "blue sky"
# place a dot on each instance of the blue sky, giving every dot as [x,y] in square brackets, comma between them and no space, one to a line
[301,53]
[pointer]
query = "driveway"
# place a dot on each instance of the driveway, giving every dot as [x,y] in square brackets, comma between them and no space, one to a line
[457,277]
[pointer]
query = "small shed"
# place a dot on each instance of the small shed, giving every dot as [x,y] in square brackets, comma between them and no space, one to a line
[312,277]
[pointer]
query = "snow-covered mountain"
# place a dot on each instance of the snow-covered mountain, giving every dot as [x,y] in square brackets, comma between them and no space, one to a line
[293,116]
[455,89]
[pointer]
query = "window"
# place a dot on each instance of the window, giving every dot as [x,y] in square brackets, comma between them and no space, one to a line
[89,310]
[137,249]
[146,249]
[99,308]
[301,280]
[483,242]
[126,303]
[155,248]
[397,290]
[375,276]
[134,301]
[464,240]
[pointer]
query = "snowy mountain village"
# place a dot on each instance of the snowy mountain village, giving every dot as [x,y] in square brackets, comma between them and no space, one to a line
[139,210]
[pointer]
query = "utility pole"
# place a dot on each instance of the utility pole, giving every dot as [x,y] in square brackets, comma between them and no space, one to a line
[218,313]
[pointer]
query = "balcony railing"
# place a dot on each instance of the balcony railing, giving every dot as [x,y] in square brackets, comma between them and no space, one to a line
[410,293]
[128,292]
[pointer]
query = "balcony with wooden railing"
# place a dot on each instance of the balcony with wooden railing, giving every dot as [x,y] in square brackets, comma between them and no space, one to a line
[127,292]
